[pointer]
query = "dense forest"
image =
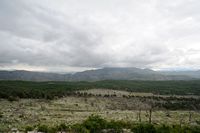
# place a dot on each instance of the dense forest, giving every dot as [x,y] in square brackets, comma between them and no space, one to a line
[49,90]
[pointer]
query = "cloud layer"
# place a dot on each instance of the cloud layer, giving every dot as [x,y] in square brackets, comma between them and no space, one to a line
[74,35]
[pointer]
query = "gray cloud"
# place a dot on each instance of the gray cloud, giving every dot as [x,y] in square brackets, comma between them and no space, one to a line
[69,35]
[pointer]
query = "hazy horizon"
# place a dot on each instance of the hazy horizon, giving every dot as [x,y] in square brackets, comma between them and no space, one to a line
[71,72]
[75,35]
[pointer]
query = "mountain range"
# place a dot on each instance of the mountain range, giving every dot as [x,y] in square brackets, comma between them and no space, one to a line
[102,74]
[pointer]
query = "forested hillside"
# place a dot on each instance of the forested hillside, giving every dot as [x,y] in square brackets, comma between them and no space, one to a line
[28,89]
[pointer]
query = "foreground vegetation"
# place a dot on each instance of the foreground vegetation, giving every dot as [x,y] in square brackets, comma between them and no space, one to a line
[50,90]
[75,109]
[119,106]
[96,124]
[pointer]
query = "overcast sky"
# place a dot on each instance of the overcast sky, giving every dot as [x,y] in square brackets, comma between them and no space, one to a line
[75,35]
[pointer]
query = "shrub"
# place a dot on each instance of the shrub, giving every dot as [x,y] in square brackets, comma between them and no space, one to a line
[43,128]
[195,129]
[1,115]
[62,127]
[79,128]
[163,129]
[28,128]
[117,126]
[11,98]
[144,128]
[95,124]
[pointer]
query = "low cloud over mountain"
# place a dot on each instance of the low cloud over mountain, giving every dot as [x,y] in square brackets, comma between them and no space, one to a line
[76,35]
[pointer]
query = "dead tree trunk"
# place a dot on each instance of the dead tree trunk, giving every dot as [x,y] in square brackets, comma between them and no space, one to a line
[150,114]
[190,117]
[139,115]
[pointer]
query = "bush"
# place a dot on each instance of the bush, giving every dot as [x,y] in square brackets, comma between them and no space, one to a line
[62,127]
[1,115]
[144,128]
[11,98]
[195,129]
[163,129]
[43,128]
[28,128]
[116,125]
[79,128]
[95,124]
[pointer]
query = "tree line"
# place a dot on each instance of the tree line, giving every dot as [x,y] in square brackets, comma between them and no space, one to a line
[50,90]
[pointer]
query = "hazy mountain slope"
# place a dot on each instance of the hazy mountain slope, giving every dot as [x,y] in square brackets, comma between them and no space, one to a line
[125,74]
[31,76]
[194,74]
[99,74]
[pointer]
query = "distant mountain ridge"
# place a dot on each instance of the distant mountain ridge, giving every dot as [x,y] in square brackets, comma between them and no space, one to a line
[30,76]
[101,74]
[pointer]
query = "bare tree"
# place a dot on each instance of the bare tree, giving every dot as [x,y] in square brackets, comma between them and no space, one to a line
[150,114]
[139,115]
[151,107]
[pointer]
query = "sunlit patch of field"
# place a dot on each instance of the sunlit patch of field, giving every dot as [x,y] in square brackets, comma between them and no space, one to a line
[121,93]
[118,93]
[75,109]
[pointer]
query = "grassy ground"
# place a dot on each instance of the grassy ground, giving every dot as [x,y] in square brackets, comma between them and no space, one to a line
[74,109]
